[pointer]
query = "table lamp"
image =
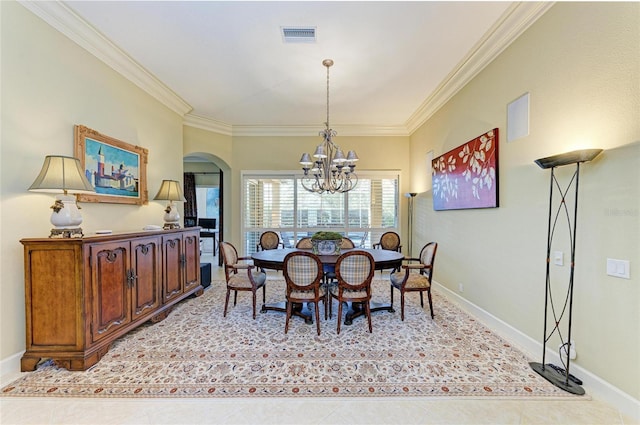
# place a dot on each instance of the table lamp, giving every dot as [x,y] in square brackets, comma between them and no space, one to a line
[170,191]
[63,174]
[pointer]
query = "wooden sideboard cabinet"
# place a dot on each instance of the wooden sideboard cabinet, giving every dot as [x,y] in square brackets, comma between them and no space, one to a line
[81,294]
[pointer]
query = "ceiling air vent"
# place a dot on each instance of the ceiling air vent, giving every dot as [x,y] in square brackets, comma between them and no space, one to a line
[299,34]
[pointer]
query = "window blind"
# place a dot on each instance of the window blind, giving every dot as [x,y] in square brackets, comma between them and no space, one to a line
[280,203]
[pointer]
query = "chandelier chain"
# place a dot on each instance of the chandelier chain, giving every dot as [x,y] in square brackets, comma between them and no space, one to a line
[327,123]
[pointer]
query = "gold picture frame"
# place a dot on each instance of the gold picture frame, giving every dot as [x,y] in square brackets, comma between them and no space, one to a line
[117,170]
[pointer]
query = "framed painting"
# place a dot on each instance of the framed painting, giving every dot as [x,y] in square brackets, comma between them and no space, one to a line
[467,176]
[116,170]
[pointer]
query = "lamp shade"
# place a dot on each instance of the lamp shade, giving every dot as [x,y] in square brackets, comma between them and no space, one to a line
[170,191]
[61,174]
[584,155]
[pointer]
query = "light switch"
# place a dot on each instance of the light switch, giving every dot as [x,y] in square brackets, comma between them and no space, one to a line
[558,258]
[618,268]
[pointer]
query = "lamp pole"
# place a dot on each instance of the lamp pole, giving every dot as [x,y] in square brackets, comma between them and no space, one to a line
[410,195]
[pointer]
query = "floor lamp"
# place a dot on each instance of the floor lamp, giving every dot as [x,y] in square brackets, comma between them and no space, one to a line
[556,375]
[410,195]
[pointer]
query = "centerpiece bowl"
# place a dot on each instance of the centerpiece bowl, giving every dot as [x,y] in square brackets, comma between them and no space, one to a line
[326,243]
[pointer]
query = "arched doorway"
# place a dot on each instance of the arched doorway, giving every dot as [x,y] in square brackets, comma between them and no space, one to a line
[206,173]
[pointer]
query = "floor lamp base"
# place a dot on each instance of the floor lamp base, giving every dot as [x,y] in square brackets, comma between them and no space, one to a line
[556,378]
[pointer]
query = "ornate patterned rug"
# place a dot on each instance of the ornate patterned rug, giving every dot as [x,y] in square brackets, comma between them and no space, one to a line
[196,352]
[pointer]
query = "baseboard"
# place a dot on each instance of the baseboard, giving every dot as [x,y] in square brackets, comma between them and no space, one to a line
[10,369]
[595,386]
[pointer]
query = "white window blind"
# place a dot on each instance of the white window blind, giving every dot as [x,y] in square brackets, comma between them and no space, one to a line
[279,202]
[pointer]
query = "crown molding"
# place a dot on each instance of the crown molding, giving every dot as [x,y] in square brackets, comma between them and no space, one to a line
[284,131]
[208,124]
[62,18]
[313,131]
[514,21]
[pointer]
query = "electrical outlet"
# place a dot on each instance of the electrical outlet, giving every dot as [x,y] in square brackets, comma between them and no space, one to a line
[460,287]
[558,258]
[572,350]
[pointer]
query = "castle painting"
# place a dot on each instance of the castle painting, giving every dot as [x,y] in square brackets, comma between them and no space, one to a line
[111,170]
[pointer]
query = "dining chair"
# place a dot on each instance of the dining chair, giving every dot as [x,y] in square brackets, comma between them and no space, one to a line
[303,275]
[416,277]
[391,242]
[304,243]
[269,240]
[237,281]
[354,273]
[330,270]
[347,243]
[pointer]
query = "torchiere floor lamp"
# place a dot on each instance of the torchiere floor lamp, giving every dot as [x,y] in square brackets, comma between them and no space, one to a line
[410,195]
[558,376]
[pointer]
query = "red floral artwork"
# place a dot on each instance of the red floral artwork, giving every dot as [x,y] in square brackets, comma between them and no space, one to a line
[467,176]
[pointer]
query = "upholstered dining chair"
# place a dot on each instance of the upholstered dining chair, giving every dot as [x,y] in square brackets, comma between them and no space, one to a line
[416,277]
[269,240]
[389,241]
[237,281]
[354,273]
[303,274]
[304,243]
[329,269]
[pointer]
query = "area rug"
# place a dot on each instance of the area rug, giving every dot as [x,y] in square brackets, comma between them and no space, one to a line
[196,352]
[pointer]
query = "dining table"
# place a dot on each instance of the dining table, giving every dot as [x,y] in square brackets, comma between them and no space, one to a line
[273,259]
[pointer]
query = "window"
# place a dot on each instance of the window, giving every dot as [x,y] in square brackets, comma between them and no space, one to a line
[278,202]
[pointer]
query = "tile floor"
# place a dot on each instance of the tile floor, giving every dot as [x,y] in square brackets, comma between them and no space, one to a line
[415,410]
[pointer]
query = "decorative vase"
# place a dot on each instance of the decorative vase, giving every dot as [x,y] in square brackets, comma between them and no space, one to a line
[326,246]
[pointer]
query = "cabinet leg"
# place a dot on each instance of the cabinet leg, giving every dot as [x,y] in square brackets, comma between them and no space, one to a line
[28,364]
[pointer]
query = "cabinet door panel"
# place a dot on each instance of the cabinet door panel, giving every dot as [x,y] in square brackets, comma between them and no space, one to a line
[192,260]
[145,261]
[173,282]
[111,297]
[54,300]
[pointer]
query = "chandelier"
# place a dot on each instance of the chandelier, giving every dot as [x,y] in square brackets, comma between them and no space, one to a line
[329,171]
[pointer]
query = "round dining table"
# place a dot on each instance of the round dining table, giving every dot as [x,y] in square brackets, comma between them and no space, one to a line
[273,259]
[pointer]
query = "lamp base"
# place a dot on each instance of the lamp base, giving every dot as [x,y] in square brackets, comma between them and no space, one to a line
[169,226]
[556,378]
[66,233]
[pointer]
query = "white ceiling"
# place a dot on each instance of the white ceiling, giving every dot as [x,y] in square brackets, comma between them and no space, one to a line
[226,61]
